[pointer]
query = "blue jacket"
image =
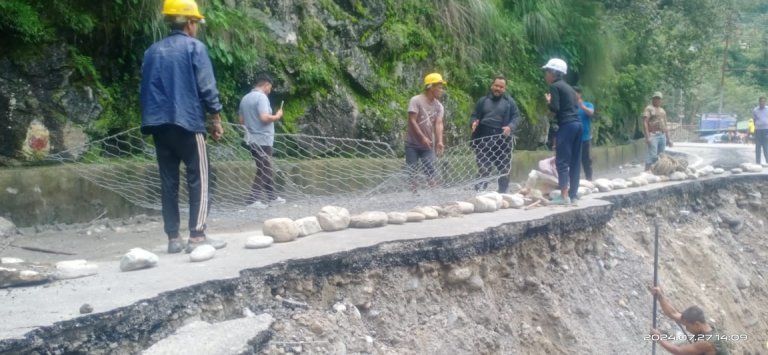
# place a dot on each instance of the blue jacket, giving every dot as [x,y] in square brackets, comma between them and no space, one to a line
[177,84]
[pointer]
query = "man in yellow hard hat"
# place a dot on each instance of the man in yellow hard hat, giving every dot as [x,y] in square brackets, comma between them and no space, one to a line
[178,88]
[425,129]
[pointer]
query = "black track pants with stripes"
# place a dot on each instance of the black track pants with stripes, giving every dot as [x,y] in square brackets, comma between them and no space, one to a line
[173,145]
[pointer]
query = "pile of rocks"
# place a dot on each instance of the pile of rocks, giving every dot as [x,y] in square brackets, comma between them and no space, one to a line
[666,165]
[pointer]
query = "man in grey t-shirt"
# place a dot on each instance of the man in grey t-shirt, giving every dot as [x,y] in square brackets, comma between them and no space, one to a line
[256,114]
[425,130]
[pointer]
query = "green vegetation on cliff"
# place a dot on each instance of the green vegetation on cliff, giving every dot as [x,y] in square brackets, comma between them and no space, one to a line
[348,67]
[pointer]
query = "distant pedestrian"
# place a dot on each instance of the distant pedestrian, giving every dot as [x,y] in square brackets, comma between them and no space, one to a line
[656,131]
[562,101]
[586,112]
[425,130]
[494,119]
[256,114]
[177,89]
[760,115]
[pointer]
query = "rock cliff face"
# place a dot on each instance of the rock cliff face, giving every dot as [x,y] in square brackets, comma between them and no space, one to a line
[344,68]
[41,110]
[348,40]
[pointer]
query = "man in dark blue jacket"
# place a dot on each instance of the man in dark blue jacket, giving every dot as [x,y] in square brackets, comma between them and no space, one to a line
[562,102]
[494,119]
[177,89]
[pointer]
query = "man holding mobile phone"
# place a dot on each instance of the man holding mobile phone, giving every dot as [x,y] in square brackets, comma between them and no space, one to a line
[256,114]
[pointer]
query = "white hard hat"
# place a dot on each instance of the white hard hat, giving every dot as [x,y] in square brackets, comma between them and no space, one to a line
[556,64]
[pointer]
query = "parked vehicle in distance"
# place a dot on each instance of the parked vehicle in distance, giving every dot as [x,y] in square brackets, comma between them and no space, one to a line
[712,138]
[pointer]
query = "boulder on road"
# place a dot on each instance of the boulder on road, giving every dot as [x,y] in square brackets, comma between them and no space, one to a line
[428,212]
[281,229]
[415,217]
[202,253]
[369,220]
[514,200]
[465,207]
[397,218]
[483,204]
[678,176]
[72,269]
[603,185]
[751,168]
[495,196]
[308,226]
[333,218]
[258,242]
[619,184]
[12,275]
[137,259]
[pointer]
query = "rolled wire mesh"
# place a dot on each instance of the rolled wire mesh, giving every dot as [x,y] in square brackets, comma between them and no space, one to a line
[308,172]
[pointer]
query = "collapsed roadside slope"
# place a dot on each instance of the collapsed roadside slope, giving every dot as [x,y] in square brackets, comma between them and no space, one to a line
[564,291]
[574,282]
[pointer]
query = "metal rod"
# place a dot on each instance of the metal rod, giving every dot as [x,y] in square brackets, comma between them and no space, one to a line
[656,283]
[655,278]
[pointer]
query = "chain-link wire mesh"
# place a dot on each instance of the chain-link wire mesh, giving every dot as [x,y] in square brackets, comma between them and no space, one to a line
[308,172]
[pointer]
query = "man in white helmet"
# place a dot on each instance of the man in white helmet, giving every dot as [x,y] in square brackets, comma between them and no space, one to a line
[177,90]
[563,102]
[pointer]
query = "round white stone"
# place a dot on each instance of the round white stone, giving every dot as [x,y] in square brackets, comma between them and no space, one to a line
[202,253]
[258,242]
[138,258]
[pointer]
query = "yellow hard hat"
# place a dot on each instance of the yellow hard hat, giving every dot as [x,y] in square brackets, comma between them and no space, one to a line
[434,78]
[182,8]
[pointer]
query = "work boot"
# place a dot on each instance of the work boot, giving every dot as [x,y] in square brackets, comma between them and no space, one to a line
[217,244]
[175,246]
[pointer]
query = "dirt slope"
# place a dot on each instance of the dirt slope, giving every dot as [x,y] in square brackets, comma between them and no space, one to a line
[582,292]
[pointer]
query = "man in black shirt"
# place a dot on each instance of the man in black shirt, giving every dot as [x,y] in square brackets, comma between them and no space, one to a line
[562,102]
[494,119]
